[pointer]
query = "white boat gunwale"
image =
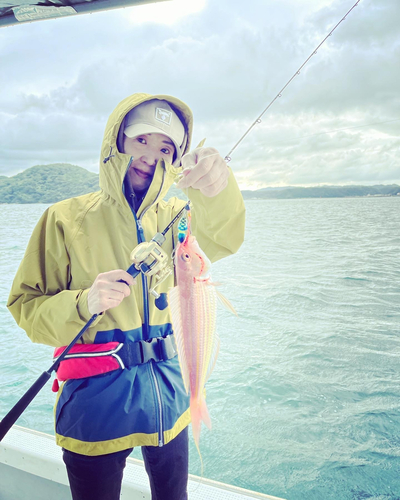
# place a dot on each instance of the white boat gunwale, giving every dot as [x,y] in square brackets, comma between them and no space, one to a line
[36,453]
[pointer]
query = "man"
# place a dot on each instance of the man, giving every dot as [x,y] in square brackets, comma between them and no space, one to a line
[75,266]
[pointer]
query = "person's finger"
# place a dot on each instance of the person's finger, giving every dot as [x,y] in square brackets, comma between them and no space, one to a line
[108,290]
[114,296]
[205,152]
[118,274]
[201,169]
[183,176]
[103,284]
[122,288]
[212,177]
[101,300]
[189,160]
[110,298]
[113,302]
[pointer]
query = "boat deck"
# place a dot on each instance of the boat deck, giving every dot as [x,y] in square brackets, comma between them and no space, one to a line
[31,467]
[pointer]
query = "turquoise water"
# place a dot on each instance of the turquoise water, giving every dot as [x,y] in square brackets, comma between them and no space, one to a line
[304,398]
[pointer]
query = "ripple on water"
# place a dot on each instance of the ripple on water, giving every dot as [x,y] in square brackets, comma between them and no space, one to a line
[304,396]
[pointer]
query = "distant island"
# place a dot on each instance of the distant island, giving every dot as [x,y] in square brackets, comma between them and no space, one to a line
[56,182]
[291,192]
[47,184]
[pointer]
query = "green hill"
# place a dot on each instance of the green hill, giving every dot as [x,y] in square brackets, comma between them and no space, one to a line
[47,184]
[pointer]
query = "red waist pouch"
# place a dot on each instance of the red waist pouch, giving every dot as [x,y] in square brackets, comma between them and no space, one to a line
[87,360]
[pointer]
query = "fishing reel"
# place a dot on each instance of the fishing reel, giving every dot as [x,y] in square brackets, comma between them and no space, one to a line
[150,259]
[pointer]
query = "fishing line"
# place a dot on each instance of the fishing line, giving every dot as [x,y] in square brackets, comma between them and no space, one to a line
[21,405]
[186,207]
[279,94]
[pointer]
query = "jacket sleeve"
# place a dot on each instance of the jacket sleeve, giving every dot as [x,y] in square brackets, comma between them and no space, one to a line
[219,222]
[40,299]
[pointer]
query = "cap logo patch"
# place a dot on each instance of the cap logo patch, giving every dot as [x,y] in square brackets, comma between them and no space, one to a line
[164,116]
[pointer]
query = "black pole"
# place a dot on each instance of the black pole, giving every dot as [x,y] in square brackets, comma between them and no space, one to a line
[21,405]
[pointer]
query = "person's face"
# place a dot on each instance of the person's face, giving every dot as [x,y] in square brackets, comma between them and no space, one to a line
[146,150]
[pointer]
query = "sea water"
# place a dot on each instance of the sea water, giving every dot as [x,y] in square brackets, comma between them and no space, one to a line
[304,398]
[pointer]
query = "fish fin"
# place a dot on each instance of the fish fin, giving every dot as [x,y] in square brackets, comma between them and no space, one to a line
[215,283]
[225,302]
[196,420]
[205,416]
[176,317]
[198,413]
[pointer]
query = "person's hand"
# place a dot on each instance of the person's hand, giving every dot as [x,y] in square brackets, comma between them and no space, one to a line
[107,291]
[206,170]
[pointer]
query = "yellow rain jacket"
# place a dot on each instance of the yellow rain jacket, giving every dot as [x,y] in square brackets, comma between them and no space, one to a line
[79,238]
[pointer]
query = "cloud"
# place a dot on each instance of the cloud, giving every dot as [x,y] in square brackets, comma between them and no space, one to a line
[227,60]
[165,13]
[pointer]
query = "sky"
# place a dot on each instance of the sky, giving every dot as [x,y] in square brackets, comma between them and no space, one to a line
[338,122]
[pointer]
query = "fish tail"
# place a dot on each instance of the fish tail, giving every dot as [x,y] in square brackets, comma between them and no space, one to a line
[199,412]
[202,471]
[205,416]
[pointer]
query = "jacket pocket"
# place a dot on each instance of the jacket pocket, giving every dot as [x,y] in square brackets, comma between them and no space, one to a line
[62,417]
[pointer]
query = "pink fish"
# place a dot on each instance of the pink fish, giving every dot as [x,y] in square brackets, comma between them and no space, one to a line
[193,307]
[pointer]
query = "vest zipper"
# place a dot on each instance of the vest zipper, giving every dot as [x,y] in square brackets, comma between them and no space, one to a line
[146,332]
[160,416]
[146,324]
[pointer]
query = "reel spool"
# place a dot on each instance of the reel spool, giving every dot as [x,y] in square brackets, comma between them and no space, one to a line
[151,260]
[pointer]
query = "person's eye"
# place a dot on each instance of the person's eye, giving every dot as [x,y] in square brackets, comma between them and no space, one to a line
[142,140]
[165,151]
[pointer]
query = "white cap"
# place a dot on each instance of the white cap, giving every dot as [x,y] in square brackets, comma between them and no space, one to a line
[156,117]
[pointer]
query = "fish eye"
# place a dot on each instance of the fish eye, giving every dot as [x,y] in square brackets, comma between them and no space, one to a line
[186,257]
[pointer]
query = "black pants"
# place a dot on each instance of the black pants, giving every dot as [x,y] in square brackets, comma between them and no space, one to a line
[100,478]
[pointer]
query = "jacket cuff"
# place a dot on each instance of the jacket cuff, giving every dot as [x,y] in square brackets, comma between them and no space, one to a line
[83,309]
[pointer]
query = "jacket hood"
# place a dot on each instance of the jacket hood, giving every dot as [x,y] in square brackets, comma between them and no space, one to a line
[114,164]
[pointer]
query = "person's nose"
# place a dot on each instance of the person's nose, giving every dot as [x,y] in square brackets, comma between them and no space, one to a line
[150,159]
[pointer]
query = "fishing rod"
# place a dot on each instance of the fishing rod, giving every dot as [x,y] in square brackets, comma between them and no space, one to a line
[148,258]
[279,94]
[285,141]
